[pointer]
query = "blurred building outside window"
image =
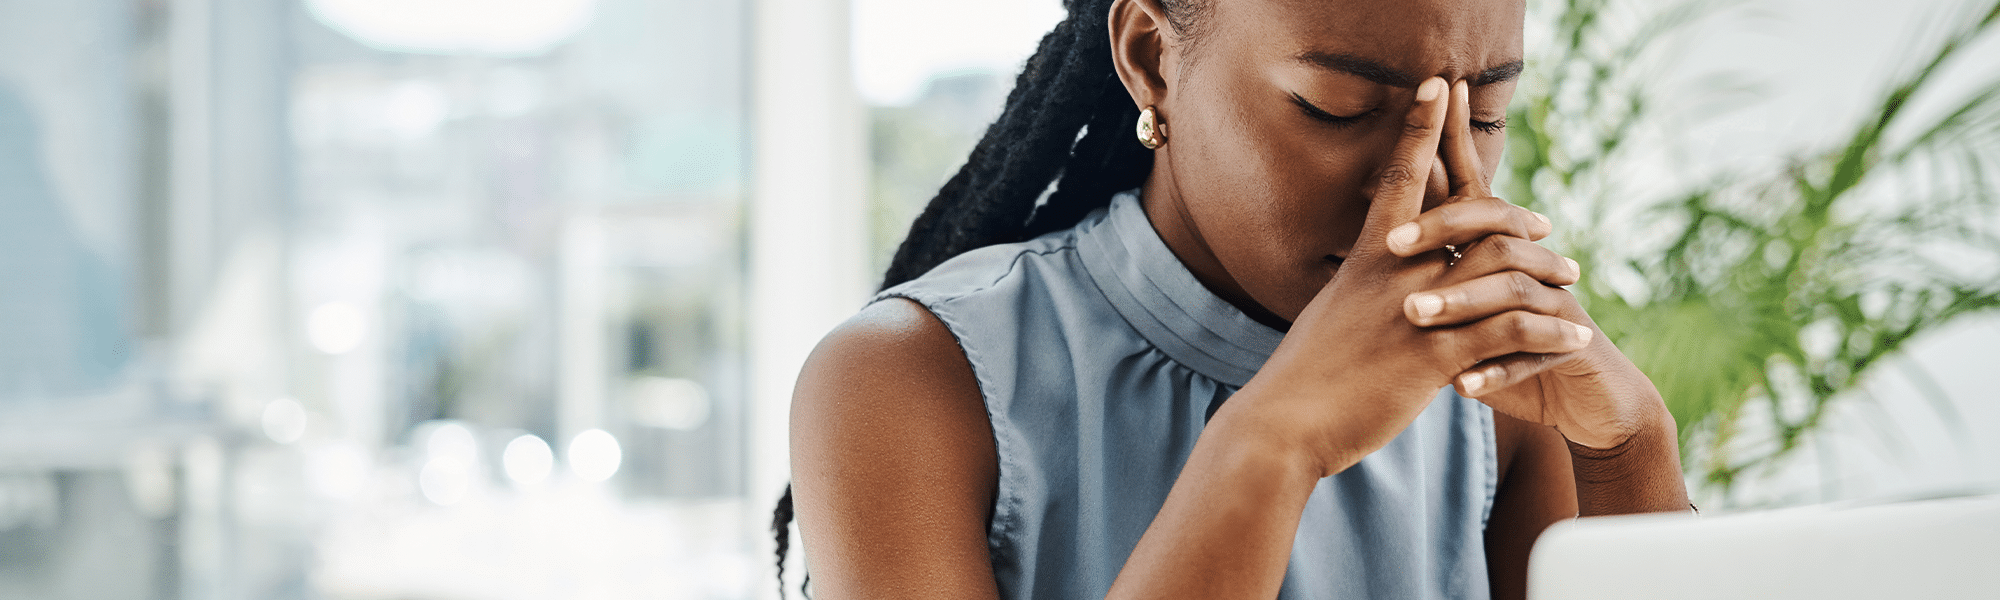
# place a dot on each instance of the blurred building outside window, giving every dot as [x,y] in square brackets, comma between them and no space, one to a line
[357,298]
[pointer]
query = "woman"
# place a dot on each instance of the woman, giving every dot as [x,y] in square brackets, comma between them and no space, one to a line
[1308,235]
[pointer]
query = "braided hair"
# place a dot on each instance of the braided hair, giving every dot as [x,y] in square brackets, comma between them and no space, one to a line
[1068,86]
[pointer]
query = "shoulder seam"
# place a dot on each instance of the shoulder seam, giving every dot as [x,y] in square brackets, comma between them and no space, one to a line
[1013,265]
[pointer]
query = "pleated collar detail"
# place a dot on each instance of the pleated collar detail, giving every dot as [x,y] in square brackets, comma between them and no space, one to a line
[1163,301]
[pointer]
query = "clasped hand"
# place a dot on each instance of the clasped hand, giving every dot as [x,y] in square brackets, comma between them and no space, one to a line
[1403,316]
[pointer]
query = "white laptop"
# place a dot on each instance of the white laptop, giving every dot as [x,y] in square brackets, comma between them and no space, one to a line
[1945,548]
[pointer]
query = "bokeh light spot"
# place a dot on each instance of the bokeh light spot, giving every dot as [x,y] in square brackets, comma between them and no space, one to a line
[528,460]
[594,455]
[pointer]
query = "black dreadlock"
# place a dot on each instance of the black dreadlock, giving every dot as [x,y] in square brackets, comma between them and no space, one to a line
[1067,86]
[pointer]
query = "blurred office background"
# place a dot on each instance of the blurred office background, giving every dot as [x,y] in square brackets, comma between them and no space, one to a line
[464,299]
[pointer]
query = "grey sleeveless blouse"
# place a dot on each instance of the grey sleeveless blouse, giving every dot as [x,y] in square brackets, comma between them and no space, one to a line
[1101,357]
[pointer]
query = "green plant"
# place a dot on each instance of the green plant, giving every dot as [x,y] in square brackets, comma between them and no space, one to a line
[1784,287]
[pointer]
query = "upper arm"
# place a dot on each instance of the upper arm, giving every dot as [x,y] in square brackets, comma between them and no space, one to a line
[893,464]
[1536,489]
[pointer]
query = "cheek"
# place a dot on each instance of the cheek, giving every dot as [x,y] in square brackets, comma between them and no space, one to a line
[1272,196]
[1282,187]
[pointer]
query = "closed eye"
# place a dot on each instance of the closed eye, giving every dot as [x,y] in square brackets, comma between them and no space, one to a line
[1329,118]
[1490,126]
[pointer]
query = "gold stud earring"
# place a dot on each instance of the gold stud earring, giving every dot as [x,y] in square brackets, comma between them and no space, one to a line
[1152,131]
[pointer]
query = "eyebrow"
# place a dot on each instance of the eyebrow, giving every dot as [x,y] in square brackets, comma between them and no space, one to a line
[1386,75]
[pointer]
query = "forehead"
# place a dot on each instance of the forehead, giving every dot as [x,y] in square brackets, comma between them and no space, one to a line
[1421,38]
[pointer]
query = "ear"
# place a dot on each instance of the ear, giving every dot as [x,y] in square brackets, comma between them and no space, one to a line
[1139,31]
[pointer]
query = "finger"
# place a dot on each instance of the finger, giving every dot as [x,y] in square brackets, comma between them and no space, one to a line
[1502,253]
[1463,221]
[1513,332]
[1484,297]
[1462,166]
[1399,185]
[1504,372]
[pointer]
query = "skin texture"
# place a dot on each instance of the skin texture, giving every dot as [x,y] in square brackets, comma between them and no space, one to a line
[893,461]
[1333,233]
[1237,134]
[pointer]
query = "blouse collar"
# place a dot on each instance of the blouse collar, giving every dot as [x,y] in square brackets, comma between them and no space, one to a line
[1163,301]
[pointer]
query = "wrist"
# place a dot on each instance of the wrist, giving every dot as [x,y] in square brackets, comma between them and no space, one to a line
[1640,474]
[1628,412]
[1654,434]
[1253,435]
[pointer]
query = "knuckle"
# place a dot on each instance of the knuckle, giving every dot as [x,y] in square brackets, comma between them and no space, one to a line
[1398,173]
[1500,250]
[1416,128]
[1521,288]
[1518,325]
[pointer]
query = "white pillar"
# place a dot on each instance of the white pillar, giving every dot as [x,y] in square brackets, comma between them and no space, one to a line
[808,226]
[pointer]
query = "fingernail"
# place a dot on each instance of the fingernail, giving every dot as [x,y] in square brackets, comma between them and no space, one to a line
[1574,269]
[1404,236]
[1427,305]
[1583,335]
[1544,218]
[1472,382]
[1430,90]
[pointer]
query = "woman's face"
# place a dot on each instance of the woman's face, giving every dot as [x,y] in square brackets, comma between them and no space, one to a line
[1281,111]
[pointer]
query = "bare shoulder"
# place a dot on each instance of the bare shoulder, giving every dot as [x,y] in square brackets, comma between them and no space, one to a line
[892,360]
[893,463]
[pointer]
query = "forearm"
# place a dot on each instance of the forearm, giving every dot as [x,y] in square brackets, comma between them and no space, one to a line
[1227,526]
[1641,475]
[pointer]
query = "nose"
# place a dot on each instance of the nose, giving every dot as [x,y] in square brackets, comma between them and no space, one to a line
[1438,189]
